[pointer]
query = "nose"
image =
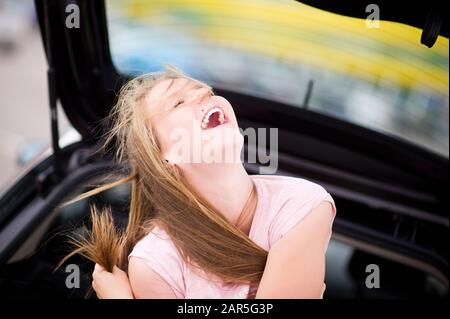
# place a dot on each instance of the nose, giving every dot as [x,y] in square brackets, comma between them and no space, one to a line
[201,111]
[204,103]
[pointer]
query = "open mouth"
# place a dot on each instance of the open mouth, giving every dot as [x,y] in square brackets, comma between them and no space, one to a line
[213,118]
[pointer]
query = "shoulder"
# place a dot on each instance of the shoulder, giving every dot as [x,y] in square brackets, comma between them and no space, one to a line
[291,200]
[155,257]
[156,240]
[146,282]
[286,192]
[288,187]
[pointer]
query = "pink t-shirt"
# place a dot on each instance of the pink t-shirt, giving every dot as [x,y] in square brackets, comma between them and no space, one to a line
[282,202]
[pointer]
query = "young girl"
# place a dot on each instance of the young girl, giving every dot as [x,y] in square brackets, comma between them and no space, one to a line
[199,228]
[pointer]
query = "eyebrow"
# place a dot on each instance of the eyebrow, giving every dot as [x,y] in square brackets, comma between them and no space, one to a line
[188,85]
[168,87]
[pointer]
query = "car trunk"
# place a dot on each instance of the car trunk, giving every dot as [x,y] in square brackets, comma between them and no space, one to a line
[391,195]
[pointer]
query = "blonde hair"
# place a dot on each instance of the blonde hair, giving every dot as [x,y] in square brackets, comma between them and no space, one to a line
[159,196]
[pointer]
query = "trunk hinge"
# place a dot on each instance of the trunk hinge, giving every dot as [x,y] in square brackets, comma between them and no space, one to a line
[432,27]
[52,95]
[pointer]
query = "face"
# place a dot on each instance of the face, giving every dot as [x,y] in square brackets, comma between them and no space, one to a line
[191,124]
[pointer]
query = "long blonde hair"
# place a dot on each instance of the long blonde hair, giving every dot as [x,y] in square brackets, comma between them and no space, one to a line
[159,196]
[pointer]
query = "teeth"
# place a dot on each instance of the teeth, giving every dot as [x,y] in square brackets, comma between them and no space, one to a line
[205,120]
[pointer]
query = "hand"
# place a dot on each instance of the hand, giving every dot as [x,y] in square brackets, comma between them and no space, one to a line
[109,285]
[323,290]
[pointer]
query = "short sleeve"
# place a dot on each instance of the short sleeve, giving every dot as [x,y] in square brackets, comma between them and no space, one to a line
[301,200]
[160,254]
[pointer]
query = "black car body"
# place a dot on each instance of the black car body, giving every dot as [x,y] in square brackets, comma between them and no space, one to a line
[391,195]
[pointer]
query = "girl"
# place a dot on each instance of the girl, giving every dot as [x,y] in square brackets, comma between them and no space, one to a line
[201,228]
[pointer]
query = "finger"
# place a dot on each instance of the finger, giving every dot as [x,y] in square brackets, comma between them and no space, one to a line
[116,270]
[323,290]
[95,274]
[98,268]
[97,292]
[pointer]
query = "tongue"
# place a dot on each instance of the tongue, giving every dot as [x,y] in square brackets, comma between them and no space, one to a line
[213,120]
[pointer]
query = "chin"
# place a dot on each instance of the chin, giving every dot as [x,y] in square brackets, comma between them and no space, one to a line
[224,150]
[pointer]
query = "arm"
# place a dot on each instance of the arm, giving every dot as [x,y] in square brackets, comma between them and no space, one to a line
[142,283]
[295,266]
[146,283]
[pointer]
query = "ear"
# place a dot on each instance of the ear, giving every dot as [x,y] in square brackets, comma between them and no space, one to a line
[167,161]
[166,156]
[170,158]
[172,166]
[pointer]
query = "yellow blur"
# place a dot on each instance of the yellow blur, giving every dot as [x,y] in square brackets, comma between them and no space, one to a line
[288,30]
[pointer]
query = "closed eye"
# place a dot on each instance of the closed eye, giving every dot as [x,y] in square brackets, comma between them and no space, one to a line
[178,103]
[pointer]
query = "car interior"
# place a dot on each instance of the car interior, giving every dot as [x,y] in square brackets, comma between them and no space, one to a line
[392,206]
[31,271]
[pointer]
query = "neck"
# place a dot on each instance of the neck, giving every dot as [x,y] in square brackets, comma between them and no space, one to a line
[226,186]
